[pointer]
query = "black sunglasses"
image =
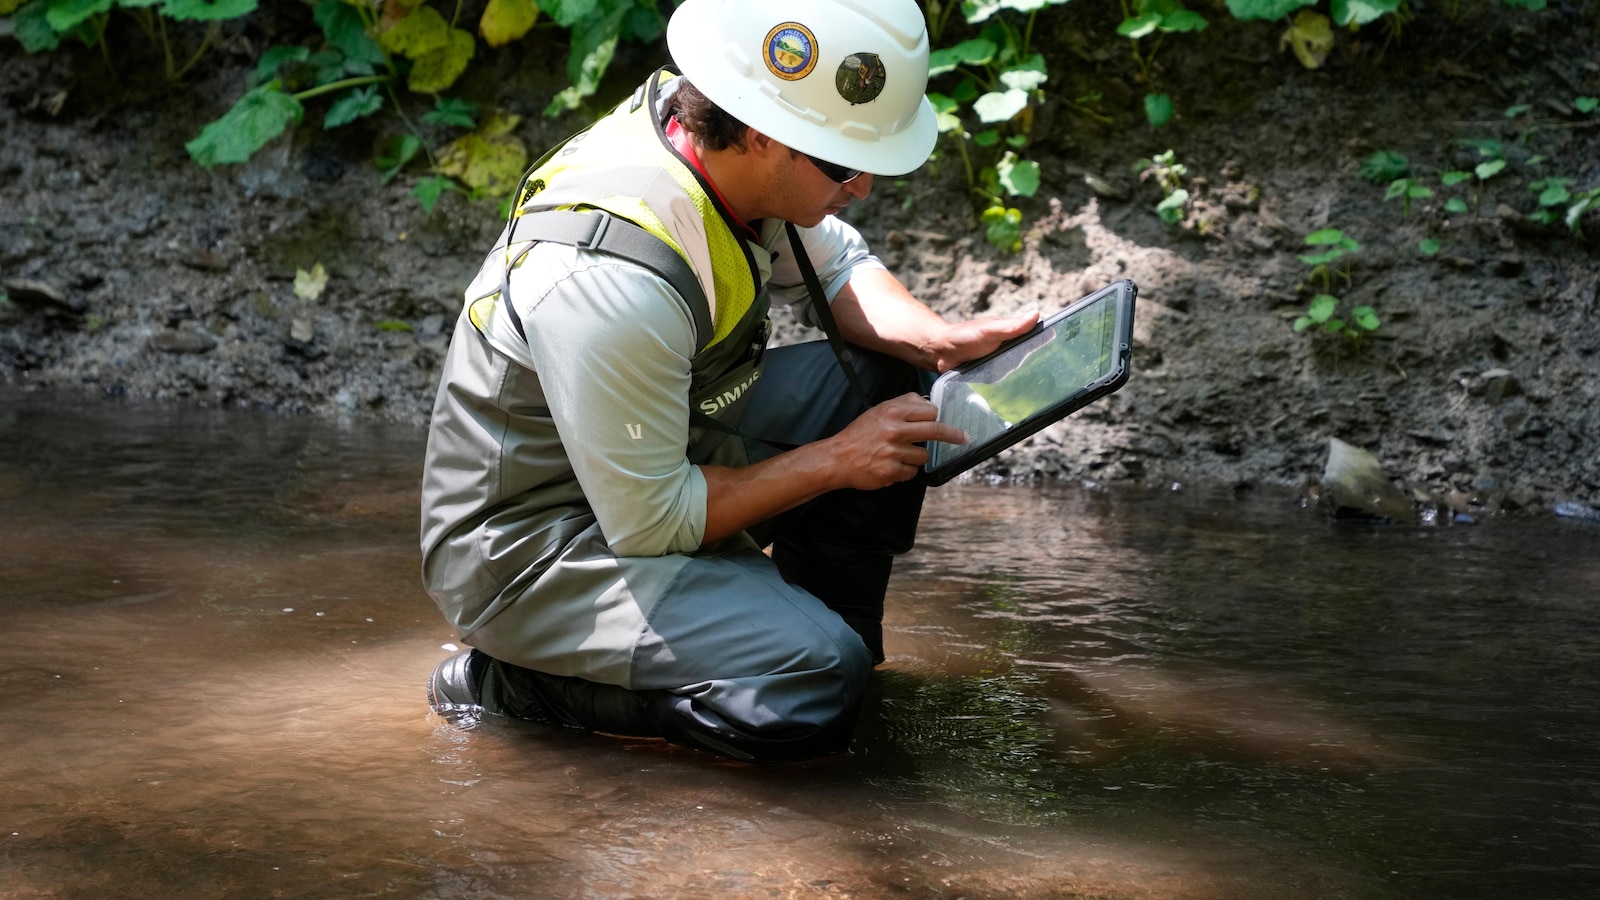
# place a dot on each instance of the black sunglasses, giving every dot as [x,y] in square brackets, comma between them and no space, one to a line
[834,171]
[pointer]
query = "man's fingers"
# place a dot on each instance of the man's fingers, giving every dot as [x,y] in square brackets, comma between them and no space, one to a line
[921,432]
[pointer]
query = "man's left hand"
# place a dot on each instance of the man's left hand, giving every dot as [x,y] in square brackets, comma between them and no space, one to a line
[961,342]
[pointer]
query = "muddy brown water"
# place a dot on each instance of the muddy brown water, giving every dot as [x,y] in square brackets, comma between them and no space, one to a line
[215,646]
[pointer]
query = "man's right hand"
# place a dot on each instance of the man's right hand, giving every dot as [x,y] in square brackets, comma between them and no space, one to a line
[883,445]
[878,449]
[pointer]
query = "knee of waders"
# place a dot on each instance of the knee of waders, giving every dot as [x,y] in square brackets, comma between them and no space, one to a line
[800,725]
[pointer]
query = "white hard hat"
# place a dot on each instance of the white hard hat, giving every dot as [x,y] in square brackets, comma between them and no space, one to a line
[842,80]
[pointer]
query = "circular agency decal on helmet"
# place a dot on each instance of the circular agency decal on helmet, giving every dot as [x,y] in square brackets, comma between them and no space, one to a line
[861,77]
[791,51]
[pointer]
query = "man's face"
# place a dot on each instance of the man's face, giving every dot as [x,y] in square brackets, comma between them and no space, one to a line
[811,195]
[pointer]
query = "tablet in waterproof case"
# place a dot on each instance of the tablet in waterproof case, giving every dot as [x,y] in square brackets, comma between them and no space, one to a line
[1068,361]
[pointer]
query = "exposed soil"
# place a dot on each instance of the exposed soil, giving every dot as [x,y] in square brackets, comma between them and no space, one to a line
[132,272]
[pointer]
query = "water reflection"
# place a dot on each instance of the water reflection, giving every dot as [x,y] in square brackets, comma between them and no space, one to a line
[216,642]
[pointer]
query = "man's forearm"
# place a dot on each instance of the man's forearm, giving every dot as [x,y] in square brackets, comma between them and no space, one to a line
[737,498]
[875,311]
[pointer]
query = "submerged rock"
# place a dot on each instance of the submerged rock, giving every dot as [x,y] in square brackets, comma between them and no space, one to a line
[1354,485]
[1570,509]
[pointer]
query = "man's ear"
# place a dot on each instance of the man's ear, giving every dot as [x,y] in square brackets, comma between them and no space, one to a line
[758,144]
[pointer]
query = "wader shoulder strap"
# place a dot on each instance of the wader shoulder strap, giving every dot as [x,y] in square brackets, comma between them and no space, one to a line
[599,230]
[819,304]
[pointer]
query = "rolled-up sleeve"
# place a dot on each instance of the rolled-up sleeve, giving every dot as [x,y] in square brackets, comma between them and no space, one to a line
[613,345]
[836,250]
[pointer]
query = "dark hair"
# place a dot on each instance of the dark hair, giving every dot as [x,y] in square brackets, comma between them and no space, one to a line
[711,125]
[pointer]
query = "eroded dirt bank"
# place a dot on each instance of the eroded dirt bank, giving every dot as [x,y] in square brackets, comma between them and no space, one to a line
[135,273]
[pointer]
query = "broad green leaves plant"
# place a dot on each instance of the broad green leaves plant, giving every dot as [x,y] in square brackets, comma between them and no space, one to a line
[259,116]
[597,26]
[1408,189]
[1385,166]
[1321,315]
[42,24]
[1335,246]
[996,81]
[1156,18]
[1168,173]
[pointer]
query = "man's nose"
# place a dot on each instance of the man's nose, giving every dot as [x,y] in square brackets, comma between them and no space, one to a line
[860,186]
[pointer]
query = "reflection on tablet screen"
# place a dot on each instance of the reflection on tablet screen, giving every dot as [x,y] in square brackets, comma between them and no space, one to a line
[1031,377]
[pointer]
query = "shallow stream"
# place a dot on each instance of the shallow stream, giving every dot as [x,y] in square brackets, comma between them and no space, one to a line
[215,643]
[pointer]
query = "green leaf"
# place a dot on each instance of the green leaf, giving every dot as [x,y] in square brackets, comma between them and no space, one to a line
[1020,177]
[568,13]
[1365,317]
[1455,205]
[1487,147]
[33,28]
[1321,259]
[1576,211]
[429,190]
[310,285]
[65,15]
[207,10]
[1139,26]
[437,69]
[1271,10]
[1513,111]
[987,137]
[1418,192]
[352,106]
[504,21]
[1324,236]
[258,117]
[644,24]
[1302,323]
[1027,76]
[393,157]
[1322,307]
[1158,109]
[971,52]
[451,111]
[1454,178]
[1004,228]
[418,34]
[1428,246]
[1184,20]
[275,56]
[944,109]
[1385,166]
[1360,12]
[1553,192]
[341,24]
[1397,188]
[564,100]
[1171,209]
[394,325]
[593,47]
[1487,170]
[1000,106]
[1586,104]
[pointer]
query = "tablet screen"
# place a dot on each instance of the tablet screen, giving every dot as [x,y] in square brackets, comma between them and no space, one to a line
[1072,355]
